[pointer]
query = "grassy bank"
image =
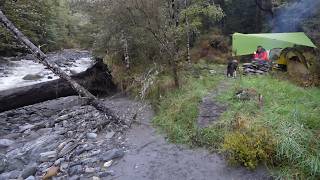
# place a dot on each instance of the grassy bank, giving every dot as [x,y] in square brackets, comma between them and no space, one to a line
[290,117]
[284,133]
[178,109]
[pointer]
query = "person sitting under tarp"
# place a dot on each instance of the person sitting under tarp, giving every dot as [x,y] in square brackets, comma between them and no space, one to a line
[260,55]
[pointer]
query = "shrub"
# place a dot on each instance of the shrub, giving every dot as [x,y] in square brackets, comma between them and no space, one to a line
[249,147]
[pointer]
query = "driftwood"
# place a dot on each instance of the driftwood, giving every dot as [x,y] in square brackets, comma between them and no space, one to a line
[96,79]
[52,66]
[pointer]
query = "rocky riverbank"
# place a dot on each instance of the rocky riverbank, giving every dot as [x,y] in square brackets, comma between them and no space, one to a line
[60,138]
[66,139]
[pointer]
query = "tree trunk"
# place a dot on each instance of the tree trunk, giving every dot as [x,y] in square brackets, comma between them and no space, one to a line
[96,79]
[125,50]
[175,19]
[53,67]
[188,34]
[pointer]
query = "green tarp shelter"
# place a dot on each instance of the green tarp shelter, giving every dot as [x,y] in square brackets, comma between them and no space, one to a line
[244,44]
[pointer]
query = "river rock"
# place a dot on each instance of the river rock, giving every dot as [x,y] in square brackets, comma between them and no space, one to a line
[5,143]
[74,170]
[10,175]
[48,156]
[64,167]
[105,174]
[25,127]
[110,135]
[30,170]
[32,77]
[3,163]
[107,164]
[92,135]
[58,161]
[90,170]
[112,154]
[30,178]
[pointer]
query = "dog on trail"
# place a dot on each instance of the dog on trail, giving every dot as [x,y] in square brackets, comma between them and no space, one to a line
[232,68]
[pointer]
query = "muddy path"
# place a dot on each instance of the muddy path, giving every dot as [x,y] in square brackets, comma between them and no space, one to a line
[149,156]
[33,138]
[209,109]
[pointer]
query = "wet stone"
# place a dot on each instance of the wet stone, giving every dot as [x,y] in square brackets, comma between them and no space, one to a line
[30,178]
[3,163]
[92,135]
[5,143]
[37,136]
[112,154]
[105,174]
[77,169]
[26,127]
[58,161]
[90,170]
[30,170]
[110,135]
[64,167]
[48,156]
[10,175]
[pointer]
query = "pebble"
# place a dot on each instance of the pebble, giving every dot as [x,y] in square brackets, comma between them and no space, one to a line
[90,170]
[107,164]
[92,135]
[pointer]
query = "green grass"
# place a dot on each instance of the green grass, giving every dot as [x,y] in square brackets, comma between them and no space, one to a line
[292,114]
[178,109]
[290,118]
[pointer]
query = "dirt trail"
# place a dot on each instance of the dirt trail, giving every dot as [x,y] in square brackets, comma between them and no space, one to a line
[210,110]
[151,157]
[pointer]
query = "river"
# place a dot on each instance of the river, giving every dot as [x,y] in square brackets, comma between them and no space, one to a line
[24,71]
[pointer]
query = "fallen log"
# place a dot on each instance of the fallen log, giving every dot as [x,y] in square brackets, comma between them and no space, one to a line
[96,79]
[53,67]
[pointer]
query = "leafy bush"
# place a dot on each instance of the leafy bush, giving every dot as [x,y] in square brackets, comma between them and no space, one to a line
[249,147]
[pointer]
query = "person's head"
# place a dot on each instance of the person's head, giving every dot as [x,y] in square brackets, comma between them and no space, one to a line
[259,48]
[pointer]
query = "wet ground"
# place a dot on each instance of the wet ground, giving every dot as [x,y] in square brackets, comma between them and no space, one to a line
[150,157]
[37,132]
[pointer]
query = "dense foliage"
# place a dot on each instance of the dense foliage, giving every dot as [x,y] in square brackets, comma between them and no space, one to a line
[48,24]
